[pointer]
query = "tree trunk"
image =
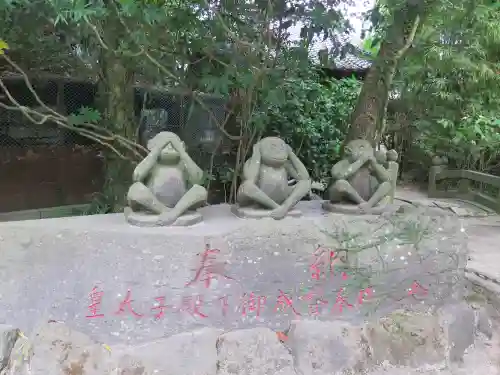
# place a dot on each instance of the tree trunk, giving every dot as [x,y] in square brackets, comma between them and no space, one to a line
[368,117]
[117,103]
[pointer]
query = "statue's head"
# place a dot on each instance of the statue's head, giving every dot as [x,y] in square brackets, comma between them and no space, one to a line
[355,149]
[273,151]
[168,153]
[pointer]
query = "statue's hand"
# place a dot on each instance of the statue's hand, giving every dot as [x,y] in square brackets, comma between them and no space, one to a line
[168,217]
[158,143]
[365,206]
[367,157]
[371,157]
[139,172]
[177,144]
[256,149]
[256,152]
[279,213]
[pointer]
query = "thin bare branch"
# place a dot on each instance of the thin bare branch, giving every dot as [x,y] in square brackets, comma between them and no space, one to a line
[101,136]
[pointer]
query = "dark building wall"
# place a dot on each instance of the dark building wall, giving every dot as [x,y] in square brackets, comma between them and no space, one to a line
[44,166]
[41,177]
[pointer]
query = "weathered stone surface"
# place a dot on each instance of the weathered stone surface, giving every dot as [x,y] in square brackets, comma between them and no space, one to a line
[406,339]
[189,353]
[484,324]
[267,257]
[323,348]
[440,341]
[253,352]
[402,338]
[351,209]
[141,219]
[57,349]
[458,322]
[418,338]
[258,213]
[8,337]
[129,365]
[20,356]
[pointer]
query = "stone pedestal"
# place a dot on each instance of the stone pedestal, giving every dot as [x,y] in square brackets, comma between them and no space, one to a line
[259,213]
[141,219]
[353,209]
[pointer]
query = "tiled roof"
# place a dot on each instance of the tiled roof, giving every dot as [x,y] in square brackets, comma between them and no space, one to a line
[351,58]
[350,61]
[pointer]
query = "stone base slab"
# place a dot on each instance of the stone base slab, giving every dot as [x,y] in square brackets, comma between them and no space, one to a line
[353,209]
[259,213]
[141,219]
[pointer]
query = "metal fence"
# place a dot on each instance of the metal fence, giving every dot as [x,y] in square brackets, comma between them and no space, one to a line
[193,118]
[45,165]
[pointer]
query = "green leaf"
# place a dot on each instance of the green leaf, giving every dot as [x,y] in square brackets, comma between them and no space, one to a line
[3,46]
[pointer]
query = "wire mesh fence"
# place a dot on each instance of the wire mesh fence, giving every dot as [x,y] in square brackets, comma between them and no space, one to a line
[195,119]
[46,165]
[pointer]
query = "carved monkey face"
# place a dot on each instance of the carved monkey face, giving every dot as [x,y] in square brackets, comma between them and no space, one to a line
[357,148]
[273,151]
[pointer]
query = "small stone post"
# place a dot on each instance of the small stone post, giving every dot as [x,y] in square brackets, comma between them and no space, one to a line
[439,164]
[393,168]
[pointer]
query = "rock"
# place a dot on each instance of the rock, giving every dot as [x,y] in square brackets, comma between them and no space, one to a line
[129,365]
[57,349]
[404,338]
[327,347]
[442,338]
[20,356]
[252,352]
[418,338]
[484,324]
[265,256]
[189,353]
[8,338]
[458,323]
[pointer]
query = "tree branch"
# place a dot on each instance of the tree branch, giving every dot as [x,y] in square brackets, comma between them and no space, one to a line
[97,134]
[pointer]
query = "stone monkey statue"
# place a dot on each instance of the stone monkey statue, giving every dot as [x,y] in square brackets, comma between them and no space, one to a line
[167,183]
[266,175]
[360,177]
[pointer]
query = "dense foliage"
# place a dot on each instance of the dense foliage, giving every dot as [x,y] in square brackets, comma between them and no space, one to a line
[449,84]
[313,119]
[242,51]
[439,59]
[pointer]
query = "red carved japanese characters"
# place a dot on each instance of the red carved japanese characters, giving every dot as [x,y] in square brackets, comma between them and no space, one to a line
[250,303]
[95,303]
[208,268]
[126,306]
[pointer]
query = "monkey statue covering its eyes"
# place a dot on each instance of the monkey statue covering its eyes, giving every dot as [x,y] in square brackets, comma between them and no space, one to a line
[166,185]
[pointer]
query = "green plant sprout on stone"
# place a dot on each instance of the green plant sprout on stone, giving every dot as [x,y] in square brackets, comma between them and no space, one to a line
[396,250]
